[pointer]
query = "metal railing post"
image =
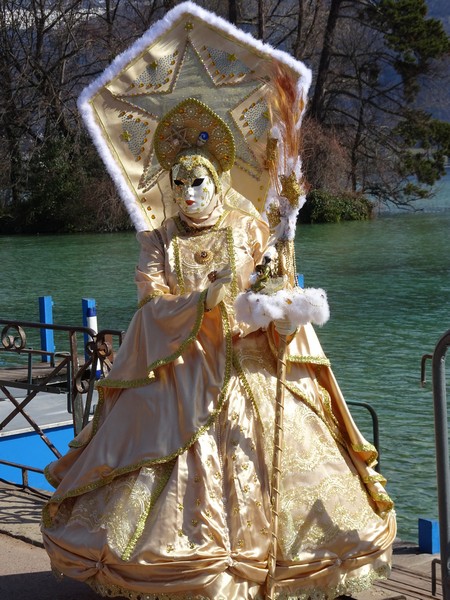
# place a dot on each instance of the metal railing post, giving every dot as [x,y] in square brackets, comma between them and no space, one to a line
[442,458]
[375,427]
[46,316]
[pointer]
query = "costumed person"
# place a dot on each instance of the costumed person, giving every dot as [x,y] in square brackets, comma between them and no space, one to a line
[222,461]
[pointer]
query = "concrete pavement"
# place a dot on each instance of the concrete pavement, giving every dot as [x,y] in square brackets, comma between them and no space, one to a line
[25,572]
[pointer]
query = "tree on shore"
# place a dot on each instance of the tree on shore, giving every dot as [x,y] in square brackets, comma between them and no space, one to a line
[365,133]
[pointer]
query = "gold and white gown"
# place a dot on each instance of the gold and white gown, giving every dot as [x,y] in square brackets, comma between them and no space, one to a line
[165,494]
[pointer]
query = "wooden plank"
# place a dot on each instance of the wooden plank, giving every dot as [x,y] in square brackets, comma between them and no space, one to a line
[410,584]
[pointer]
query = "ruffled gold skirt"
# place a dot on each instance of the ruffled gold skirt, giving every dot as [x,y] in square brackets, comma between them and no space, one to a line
[197,525]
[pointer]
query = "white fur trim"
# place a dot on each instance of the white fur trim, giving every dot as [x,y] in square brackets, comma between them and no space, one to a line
[299,306]
[154,32]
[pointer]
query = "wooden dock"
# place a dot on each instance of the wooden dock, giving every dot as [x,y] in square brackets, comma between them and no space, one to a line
[411,577]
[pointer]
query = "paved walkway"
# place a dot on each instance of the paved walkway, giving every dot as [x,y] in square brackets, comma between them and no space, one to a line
[25,568]
[24,565]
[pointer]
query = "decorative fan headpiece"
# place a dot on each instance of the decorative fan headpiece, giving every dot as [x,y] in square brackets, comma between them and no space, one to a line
[192,84]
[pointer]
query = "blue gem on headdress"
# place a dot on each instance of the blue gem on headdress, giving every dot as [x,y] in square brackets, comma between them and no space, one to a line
[202,138]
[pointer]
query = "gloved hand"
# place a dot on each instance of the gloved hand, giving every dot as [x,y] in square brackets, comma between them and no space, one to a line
[216,290]
[284,326]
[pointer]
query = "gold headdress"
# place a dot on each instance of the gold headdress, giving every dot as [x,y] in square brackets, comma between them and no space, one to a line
[191,131]
[192,78]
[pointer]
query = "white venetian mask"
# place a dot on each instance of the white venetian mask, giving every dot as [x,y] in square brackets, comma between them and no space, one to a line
[193,189]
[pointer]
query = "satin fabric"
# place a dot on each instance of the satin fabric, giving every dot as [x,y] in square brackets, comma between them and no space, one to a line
[166,493]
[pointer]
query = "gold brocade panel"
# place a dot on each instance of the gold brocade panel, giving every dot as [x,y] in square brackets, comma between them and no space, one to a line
[316,471]
[196,257]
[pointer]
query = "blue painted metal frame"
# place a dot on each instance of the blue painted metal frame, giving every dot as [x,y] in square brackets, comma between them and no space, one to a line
[47,337]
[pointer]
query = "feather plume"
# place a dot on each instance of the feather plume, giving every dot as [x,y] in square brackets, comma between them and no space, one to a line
[286,106]
[287,195]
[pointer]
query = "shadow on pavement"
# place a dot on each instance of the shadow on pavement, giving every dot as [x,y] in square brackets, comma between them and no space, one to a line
[43,586]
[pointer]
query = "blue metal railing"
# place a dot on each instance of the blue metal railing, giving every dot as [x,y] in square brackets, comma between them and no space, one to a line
[442,457]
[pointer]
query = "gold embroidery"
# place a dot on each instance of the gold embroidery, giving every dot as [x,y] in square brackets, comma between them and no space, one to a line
[246,385]
[160,485]
[149,298]
[197,256]
[373,454]
[178,271]
[232,259]
[52,481]
[373,478]
[299,394]
[326,400]
[313,360]
[203,257]
[326,517]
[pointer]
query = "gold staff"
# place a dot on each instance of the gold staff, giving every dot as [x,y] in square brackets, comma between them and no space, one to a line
[286,105]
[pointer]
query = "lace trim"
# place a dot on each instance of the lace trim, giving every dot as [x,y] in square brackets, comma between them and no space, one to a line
[374,478]
[164,459]
[313,360]
[112,591]
[299,394]
[144,516]
[178,269]
[230,243]
[373,454]
[148,298]
[247,387]
[184,229]
[49,477]
[349,587]
[326,399]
